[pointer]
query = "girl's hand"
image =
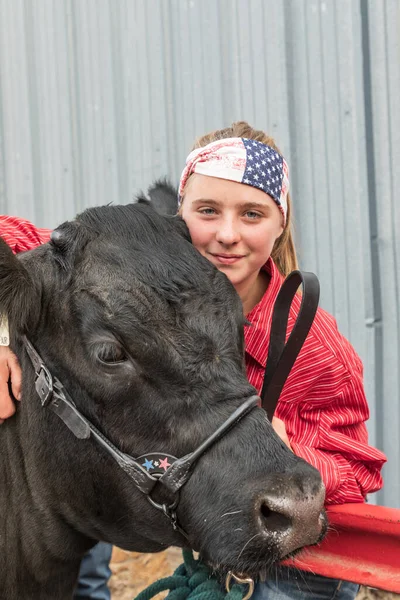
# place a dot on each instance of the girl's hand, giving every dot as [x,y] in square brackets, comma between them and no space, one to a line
[280,429]
[9,371]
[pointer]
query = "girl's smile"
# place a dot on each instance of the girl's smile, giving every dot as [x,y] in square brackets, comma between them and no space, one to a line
[227,259]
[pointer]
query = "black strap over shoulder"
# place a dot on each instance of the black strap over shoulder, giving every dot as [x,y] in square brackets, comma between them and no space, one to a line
[281,356]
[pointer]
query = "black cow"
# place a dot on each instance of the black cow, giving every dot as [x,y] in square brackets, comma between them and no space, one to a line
[146,337]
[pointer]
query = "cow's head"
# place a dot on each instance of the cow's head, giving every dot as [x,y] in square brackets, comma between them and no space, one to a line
[147,337]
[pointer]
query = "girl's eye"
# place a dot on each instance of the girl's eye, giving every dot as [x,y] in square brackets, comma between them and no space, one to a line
[250,214]
[207,211]
[111,353]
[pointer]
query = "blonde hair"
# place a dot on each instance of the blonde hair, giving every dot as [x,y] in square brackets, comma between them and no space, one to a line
[284,252]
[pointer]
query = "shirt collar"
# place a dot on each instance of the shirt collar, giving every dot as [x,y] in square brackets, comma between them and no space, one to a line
[256,335]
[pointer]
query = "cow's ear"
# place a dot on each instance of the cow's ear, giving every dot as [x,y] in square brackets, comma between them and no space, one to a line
[19,297]
[164,197]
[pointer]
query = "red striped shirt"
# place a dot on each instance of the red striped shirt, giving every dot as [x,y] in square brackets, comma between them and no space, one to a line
[21,235]
[323,402]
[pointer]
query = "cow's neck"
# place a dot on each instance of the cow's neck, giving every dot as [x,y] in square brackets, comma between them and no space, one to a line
[44,535]
[41,551]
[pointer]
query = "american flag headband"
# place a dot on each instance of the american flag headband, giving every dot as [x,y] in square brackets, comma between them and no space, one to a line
[242,160]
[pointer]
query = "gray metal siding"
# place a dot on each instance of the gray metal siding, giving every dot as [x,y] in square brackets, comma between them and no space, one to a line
[99,97]
[384,133]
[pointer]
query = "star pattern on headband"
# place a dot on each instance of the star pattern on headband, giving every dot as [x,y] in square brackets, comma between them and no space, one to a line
[264,168]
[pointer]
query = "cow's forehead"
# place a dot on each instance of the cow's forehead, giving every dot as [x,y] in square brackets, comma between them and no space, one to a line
[164,316]
[156,291]
[116,294]
[169,263]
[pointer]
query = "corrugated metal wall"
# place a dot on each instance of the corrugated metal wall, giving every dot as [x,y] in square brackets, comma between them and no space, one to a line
[99,97]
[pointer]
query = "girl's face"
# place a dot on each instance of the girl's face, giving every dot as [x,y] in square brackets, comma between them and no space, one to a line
[233,225]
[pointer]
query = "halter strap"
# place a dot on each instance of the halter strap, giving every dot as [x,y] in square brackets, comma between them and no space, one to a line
[55,397]
[281,356]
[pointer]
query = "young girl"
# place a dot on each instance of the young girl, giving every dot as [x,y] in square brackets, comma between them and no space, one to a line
[234,198]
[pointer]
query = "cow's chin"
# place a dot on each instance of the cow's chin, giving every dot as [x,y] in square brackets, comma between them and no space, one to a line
[255,562]
[138,545]
[251,565]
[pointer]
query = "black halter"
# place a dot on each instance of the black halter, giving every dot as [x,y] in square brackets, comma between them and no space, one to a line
[173,472]
[169,472]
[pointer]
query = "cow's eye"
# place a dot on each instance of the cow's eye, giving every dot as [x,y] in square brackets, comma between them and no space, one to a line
[111,353]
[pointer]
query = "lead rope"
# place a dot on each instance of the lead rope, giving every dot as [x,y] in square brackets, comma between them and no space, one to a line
[193,580]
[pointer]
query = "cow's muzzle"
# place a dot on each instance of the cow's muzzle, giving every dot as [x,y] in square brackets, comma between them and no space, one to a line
[291,514]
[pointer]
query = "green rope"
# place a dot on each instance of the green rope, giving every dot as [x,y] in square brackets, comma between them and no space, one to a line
[192,580]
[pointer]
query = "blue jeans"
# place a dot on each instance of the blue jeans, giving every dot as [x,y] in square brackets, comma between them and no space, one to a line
[291,584]
[94,574]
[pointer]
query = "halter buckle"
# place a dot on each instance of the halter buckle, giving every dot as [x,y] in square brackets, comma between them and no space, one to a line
[242,581]
[44,385]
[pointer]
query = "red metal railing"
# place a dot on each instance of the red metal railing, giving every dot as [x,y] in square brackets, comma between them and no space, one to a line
[362,545]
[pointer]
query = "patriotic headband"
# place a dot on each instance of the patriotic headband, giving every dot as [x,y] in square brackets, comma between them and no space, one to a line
[242,160]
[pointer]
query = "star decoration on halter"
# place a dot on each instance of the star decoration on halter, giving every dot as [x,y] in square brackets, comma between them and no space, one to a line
[148,464]
[164,464]
[156,463]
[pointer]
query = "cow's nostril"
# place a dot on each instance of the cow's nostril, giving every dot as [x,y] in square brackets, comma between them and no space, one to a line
[273,519]
[265,510]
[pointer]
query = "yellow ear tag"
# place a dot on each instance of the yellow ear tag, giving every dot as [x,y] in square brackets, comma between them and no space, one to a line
[4,332]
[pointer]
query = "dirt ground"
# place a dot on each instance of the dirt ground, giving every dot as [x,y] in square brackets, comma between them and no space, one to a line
[132,572]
